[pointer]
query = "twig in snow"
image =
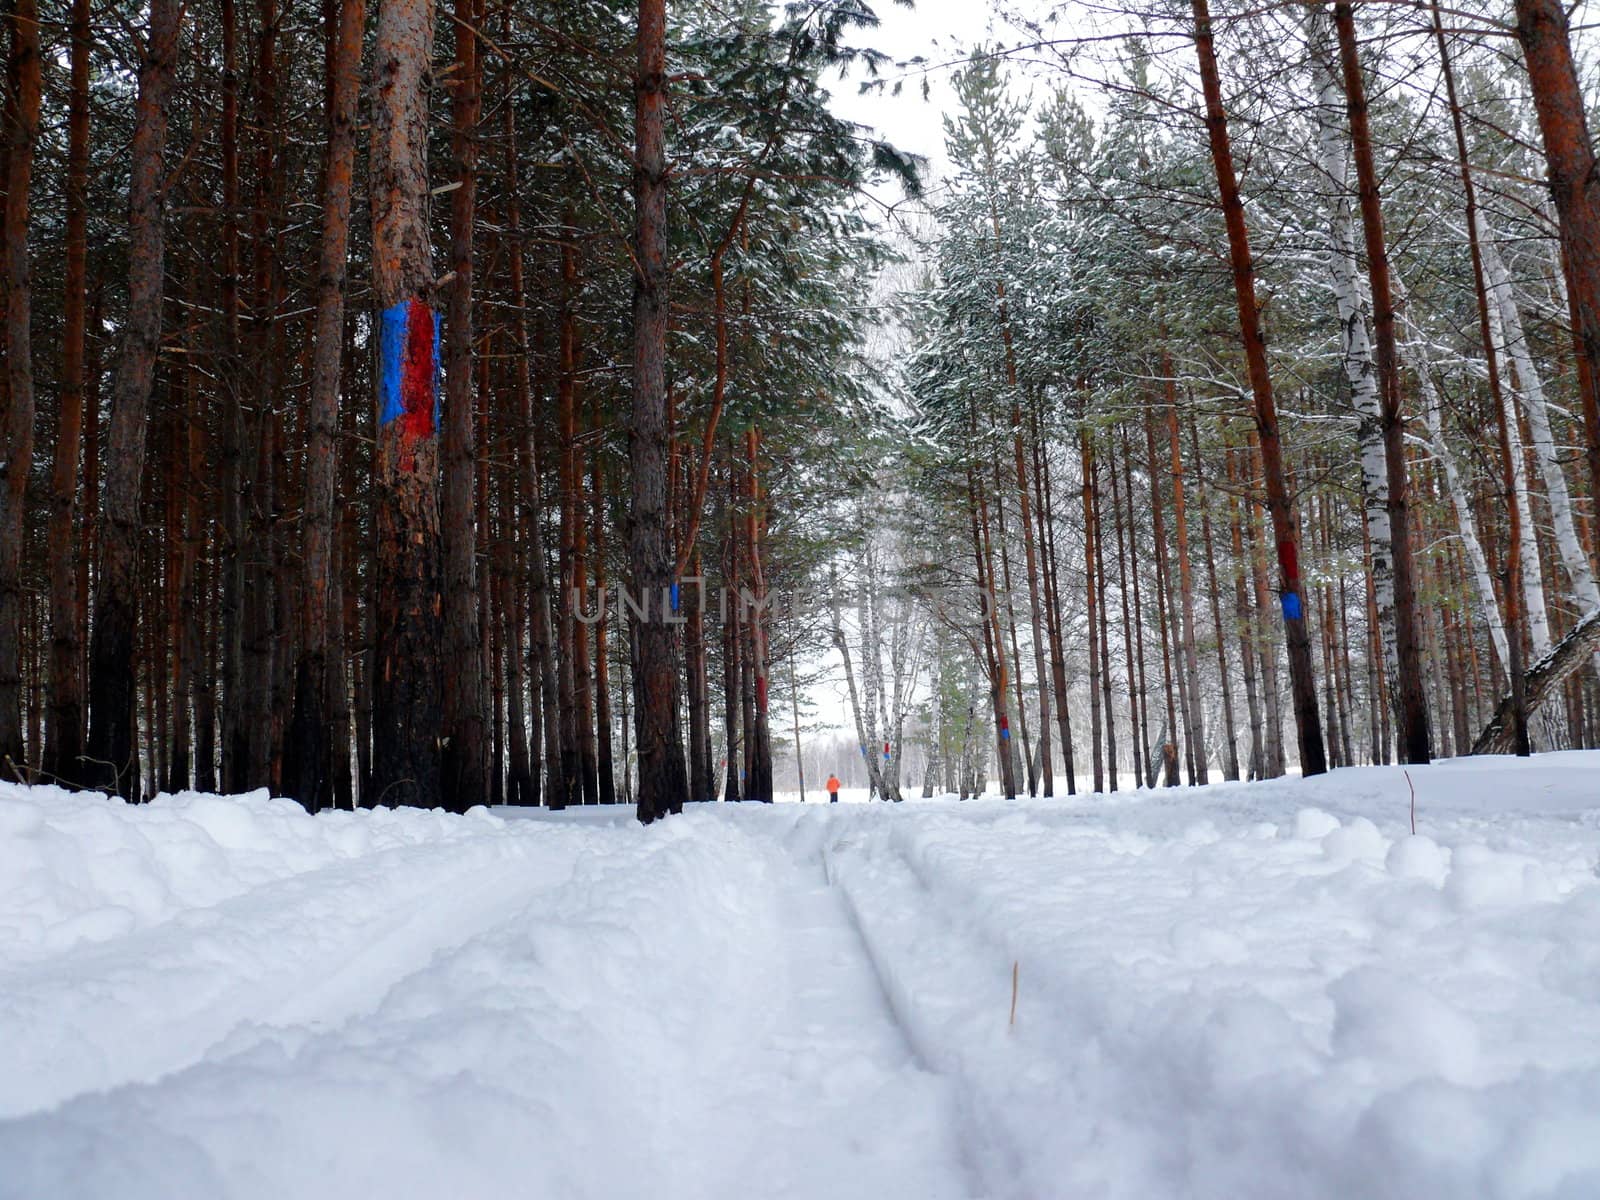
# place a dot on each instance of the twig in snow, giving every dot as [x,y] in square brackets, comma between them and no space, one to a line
[1413,788]
[1014,967]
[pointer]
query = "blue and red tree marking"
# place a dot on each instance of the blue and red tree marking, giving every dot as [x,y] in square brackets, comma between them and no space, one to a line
[1290,598]
[408,373]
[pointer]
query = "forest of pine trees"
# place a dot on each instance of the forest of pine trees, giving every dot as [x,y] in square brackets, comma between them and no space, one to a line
[532,404]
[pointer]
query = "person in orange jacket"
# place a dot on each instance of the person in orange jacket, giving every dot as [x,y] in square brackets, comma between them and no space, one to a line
[833,789]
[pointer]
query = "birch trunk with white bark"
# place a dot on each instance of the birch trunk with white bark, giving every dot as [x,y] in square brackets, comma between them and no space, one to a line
[1355,336]
[1529,388]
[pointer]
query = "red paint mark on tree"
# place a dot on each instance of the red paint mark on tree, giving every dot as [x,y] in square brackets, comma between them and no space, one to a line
[1290,562]
[419,374]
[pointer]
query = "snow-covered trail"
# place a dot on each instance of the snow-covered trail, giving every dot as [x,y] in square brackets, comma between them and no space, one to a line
[1241,991]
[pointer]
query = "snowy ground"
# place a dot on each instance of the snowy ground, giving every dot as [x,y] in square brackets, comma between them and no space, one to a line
[1268,990]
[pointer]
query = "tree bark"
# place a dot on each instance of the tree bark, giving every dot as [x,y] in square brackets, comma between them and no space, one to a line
[1411,711]
[24,85]
[663,782]
[1505,423]
[112,752]
[407,618]
[463,761]
[308,765]
[1280,504]
[1199,762]
[1230,749]
[1574,185]
[64,712]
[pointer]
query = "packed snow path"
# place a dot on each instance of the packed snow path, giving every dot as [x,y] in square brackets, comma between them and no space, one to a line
[1262,990]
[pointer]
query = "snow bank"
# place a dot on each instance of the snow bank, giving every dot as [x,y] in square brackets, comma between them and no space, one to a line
[76,867]
[531,1046]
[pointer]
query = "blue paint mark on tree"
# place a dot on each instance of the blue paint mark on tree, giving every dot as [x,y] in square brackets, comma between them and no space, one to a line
[408,368]
[1291,606]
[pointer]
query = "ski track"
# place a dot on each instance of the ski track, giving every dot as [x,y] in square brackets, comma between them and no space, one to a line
[846,1067]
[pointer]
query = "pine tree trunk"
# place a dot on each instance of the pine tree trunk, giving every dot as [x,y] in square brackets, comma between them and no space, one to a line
[407,618]
[1514,714]
[1035,610]
[1200,768]
[261,583]
[1142,693]
[1244,621]
[308,756]
[23,100]
[663,782]
[1091,559]
[1168,752]
[1230,749]
[463,782]
[1026,757]
[702,778]
[530,520]
[1136,733]
[759,784]
[112,753]
[1575,187]
[732,673]
[1266,644]
[604,765]
[64,711]
[1052,598]
[1280,504]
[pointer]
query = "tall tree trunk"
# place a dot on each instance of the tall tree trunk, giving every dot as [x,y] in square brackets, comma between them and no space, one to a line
[1411,712]
[113,757]
[1272,696]
[759,784]
[262,584]
[1515,712]
[23,98]
[1136,732]
[1107,675]
[408,635]
[462,767]
[1574,185]
[1244,621]
[307,766]
[1052,597]
[1200,769]
[663,781]
[702,779]
[1141,692]
[1529,388]
[1280,504]
[531,522]
[1230,748]
[1026,757]
[1432,410]
[1035,610]
[732,673]
[604,765]
[64,714]
[1354,335]
[1168,751]
[234,476]
[1091,534]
